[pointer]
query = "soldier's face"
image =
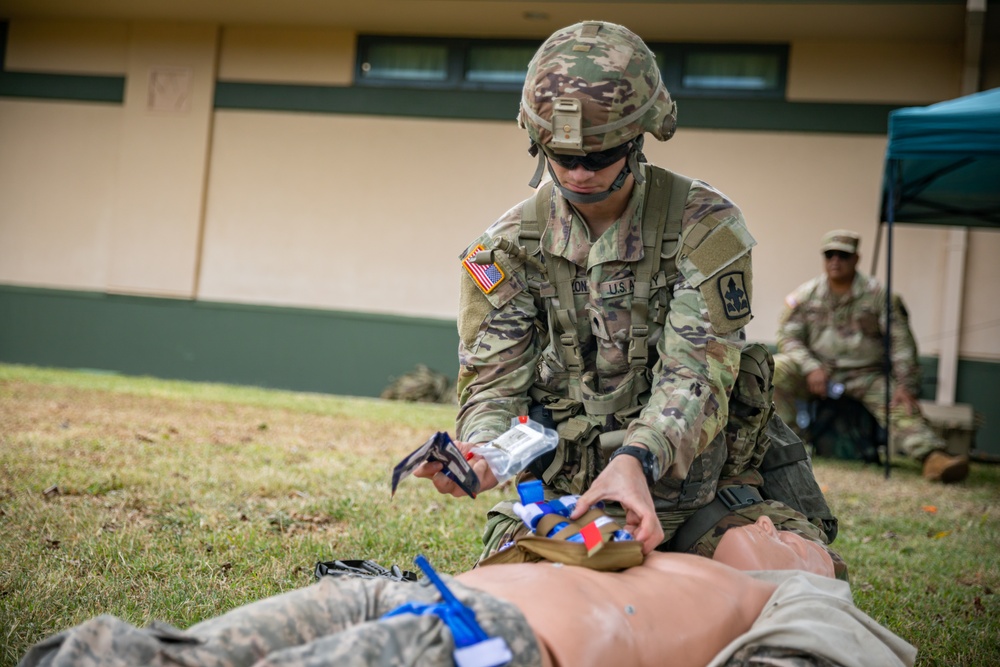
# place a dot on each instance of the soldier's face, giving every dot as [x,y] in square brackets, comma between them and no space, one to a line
[840,265]
[583,181]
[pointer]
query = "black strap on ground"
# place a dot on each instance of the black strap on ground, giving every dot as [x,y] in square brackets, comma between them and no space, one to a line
[367,569]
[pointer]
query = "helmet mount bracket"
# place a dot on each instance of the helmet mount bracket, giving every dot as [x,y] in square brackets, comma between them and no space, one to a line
[567,126]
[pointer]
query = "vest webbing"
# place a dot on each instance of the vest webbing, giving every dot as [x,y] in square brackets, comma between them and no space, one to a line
[662,219]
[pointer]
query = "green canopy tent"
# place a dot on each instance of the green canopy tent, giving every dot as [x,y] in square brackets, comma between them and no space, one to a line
[942,167]
[942,163]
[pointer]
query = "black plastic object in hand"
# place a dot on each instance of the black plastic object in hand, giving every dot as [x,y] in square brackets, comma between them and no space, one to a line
[440,448]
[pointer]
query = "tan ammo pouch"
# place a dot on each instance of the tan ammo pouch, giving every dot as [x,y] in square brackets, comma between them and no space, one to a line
[625,396]
[574,463]
[532,548]
[610,441]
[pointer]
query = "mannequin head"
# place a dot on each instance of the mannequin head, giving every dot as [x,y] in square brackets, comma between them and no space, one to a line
[761,546]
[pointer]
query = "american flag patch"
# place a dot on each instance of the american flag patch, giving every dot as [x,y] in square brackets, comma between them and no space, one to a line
[487,276]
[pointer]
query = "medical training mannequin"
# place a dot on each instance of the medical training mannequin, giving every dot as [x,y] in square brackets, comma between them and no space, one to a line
[695,610]
[707,606]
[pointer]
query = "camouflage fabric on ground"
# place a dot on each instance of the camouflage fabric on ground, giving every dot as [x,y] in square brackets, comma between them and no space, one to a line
[421,385]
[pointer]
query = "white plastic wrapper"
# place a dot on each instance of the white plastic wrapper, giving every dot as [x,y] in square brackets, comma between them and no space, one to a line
[513,451]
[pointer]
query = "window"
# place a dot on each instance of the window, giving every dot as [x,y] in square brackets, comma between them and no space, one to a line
[498,64]
[723,70]
[443,63]
[689,70]
[406,62]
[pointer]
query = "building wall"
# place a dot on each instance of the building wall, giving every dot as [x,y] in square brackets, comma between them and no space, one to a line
[359,213]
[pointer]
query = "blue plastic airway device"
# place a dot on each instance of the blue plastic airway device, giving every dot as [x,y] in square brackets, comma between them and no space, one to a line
[473,647]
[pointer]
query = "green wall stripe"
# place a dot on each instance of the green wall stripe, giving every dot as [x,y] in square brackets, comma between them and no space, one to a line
[71,87]
[483,105]
[782,116]
[729,114]
[290,348]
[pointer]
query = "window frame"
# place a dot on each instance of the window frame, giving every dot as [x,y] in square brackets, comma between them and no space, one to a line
[457,60]
[672,55]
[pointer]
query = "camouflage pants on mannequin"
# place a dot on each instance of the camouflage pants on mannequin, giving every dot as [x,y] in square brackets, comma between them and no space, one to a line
[323,624]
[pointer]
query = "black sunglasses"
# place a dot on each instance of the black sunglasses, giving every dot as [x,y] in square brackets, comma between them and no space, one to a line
[830,254]
[591,161]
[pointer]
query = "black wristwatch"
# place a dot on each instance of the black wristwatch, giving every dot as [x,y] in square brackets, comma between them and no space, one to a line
[650,464]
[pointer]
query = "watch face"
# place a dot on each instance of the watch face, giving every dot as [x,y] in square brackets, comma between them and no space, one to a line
[645,457]
[652,473]
[648,464]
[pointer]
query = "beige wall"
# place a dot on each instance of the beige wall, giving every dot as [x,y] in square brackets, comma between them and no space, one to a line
[57,187]
[316,56]
[904,72]
[162,159]
[145,223]
[69,47]
[168,197]
[349,212]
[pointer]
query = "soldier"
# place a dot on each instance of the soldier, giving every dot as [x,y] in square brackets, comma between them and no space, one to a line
[715,613]
[832,331]
[610,305]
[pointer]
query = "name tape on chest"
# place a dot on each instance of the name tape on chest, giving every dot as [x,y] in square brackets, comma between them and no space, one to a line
[487,276]
[606,290]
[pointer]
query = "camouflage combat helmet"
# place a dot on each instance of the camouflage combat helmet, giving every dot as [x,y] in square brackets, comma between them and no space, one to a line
[591,87]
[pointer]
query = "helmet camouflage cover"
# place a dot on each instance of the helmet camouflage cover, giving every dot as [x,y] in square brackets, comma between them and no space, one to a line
[598,85]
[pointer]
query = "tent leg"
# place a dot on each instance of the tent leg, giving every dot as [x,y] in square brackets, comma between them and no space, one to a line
[951,310]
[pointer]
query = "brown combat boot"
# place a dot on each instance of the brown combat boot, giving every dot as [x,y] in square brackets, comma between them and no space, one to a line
[941,467]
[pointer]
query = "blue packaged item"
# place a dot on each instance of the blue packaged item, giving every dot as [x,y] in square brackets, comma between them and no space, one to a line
[531,491]
[473,647]
[533,507]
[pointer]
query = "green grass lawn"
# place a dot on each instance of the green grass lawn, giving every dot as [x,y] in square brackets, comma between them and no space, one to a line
[152,499]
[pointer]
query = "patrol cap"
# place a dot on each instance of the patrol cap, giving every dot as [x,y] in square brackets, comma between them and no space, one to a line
[841,239]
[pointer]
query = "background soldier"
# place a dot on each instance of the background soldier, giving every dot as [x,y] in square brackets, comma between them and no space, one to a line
[833,331]
[609,305]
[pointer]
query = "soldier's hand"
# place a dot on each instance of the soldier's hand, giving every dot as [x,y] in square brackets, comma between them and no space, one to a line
[817,381]
[623,481]
[432,470]
[903,398]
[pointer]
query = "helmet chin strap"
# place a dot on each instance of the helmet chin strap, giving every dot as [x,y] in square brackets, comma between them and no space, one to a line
[593,197]
[634,158]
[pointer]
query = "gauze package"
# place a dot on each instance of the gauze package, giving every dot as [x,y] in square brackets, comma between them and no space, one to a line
[511,452]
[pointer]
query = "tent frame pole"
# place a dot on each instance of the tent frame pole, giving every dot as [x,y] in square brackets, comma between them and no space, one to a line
[887,365]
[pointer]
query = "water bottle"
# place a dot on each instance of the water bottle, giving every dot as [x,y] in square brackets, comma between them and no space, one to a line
[802,416]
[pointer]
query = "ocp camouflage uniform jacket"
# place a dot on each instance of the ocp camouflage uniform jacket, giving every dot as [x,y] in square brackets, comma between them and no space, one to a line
[506,349]
[844,334]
